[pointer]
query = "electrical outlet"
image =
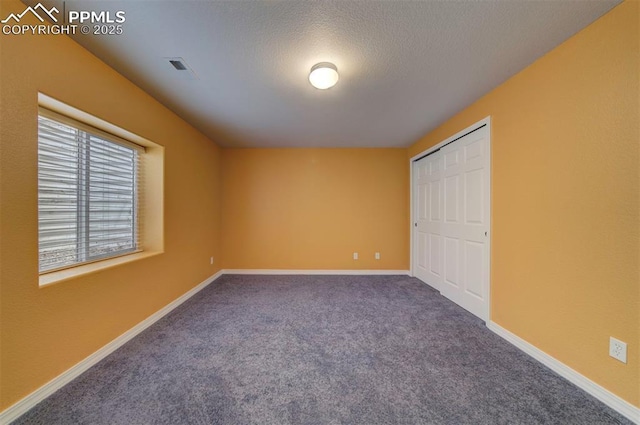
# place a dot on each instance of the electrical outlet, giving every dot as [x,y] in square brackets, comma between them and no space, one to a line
[355,255]
[618,349]
[377,255]
[211,260]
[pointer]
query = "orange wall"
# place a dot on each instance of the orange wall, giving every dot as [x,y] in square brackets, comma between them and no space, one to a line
[565,141]
[44,331]
[566,216]
[312,208]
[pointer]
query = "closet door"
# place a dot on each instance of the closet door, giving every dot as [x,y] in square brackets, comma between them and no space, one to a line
[420,188]
[452,222]
[476,218]
[428,214]
[465,225]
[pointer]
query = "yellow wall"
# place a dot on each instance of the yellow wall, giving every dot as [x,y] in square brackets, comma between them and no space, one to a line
[46,330]
[312,208]
[566,193]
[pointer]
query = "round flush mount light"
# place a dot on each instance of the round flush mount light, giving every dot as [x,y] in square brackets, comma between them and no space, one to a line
[323,75]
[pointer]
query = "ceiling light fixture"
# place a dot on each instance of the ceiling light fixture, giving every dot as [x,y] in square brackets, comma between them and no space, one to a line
[323,75]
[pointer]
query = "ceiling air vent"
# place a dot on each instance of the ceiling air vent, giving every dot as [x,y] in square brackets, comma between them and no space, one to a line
[179,64]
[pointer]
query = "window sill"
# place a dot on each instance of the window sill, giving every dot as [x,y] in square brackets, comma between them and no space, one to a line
[47,279]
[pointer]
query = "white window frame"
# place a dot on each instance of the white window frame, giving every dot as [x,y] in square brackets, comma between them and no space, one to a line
[82,241]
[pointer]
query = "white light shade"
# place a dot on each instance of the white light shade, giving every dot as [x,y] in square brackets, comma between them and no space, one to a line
[323,75]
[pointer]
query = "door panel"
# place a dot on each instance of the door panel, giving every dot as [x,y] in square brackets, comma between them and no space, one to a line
[473,268]
[422,247]
[474,196]
[452,221]
[434,206]
[451,199]
[451,227]
[451,263]
[421,172]
[422,202]
[428,251]
[435,260]
[474,232]
[450,158]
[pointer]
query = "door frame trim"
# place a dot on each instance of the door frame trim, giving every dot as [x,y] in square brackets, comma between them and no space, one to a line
[483,122]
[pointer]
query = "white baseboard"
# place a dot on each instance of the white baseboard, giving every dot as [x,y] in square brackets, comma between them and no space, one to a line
[623,407]
[315,272]
[22,406]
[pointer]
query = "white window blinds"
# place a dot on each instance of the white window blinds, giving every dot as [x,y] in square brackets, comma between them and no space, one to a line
[87,193]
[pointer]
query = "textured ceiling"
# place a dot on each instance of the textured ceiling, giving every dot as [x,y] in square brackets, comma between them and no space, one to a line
[405,66]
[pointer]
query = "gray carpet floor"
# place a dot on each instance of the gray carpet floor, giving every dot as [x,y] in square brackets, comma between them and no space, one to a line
[319,350]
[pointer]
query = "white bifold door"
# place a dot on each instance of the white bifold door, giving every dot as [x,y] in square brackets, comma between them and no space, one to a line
[451,220]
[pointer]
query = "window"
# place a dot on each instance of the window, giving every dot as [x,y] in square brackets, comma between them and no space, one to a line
[88,193]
